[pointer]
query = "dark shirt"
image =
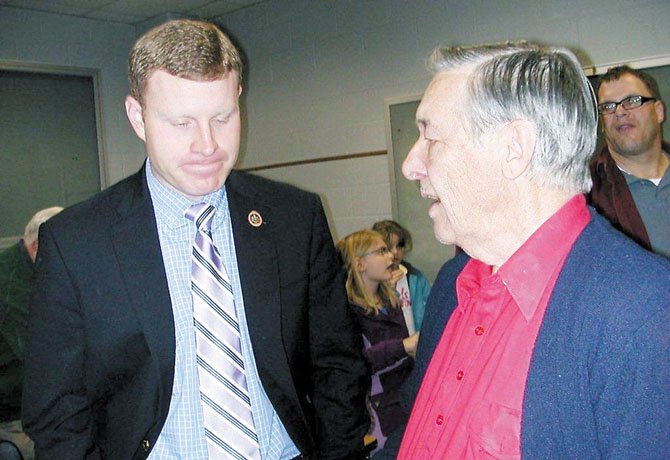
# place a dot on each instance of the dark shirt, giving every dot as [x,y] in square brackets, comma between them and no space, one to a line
[16,269]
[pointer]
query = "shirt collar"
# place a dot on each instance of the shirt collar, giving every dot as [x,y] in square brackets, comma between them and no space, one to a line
[631,178]
[170,206]
[527,273]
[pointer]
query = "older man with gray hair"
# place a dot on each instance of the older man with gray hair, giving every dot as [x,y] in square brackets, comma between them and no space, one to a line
[16,271]
[545,338]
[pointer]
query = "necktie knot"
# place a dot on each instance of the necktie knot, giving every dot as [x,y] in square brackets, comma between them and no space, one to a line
[202,214]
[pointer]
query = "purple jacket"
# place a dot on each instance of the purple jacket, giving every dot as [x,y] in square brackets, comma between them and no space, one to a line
[383,334]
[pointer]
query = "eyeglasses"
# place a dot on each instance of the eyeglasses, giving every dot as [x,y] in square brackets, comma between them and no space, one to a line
[380,252]
[629,103]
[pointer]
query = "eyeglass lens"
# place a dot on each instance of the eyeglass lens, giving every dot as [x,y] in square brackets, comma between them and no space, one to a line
[631,102]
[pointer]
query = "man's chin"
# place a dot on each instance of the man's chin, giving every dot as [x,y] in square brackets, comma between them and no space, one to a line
[443,235]
[195,193]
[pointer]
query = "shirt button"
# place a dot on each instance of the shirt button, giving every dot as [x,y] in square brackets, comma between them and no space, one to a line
[459,375]
[439,420]
[479,330]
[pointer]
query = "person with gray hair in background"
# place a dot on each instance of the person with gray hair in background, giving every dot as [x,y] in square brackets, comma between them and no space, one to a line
[16,271]
[545,338]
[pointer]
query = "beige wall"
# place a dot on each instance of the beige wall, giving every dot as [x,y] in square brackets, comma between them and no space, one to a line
[321,71]
[51,40]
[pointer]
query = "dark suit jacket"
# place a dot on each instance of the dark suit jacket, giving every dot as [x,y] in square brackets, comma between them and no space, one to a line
[599,378]
[101,349]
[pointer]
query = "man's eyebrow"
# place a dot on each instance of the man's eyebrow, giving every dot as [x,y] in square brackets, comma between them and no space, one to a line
[622,99]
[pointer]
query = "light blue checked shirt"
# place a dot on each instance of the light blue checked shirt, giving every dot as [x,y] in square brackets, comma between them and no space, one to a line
[183,435]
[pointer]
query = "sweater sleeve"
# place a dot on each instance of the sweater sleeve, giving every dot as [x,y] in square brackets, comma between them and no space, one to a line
[383,354]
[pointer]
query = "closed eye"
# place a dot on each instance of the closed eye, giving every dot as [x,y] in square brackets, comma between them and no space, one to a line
[181,123]
[221,121]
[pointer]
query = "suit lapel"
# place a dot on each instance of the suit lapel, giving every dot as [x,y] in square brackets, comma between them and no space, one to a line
[255,247]
[137,247]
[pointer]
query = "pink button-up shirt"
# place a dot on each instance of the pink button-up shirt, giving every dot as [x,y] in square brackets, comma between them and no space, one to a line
[471,399]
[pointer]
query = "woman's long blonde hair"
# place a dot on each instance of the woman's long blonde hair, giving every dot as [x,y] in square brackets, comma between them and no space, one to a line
[352,248]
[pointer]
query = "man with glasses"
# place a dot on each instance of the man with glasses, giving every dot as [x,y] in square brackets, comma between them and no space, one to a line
[631,178]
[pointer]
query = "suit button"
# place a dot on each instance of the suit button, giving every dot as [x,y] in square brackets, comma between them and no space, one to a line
[146,445]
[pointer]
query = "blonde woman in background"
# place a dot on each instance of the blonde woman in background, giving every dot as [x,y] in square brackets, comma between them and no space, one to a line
[389,347]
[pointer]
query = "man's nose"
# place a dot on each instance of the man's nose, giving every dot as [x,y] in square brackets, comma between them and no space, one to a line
[413,168]
[205,143]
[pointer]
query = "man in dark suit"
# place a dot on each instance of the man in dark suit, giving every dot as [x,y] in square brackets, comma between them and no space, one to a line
[115,365]
[16,272]
[545,338]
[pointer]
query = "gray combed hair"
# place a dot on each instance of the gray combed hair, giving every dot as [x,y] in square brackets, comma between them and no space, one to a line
[33,225]
[520,80]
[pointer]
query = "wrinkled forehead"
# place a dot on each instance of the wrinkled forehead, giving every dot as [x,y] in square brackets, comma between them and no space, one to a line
[445,96]
[627,85]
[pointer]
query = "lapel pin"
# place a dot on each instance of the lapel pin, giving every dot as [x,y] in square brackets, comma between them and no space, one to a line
[255,219]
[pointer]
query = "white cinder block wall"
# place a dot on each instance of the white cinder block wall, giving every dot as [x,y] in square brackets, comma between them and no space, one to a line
[29,37]
[319,71]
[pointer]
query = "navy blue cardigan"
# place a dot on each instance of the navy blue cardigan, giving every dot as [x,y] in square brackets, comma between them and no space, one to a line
[599,379]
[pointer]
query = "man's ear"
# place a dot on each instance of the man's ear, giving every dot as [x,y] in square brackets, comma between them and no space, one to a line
[660,111]
[135,117]
[519,137]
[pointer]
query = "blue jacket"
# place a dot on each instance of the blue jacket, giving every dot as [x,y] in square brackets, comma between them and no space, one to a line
[419,290]
[599,378]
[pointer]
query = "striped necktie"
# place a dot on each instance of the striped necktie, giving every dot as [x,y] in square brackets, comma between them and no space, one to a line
[229,426]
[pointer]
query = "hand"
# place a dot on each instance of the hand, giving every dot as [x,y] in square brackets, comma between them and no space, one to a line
[395,276]
[410,344]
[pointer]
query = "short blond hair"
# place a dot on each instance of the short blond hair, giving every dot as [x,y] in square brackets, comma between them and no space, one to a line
[351,248]
[185,48]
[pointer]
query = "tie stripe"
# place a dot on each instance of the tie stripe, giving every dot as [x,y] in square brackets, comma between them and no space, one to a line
[212,270]
[222,444]
[225,382]
[216,307]
[204,212]
[219,343]
[225,414]
[228,420]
